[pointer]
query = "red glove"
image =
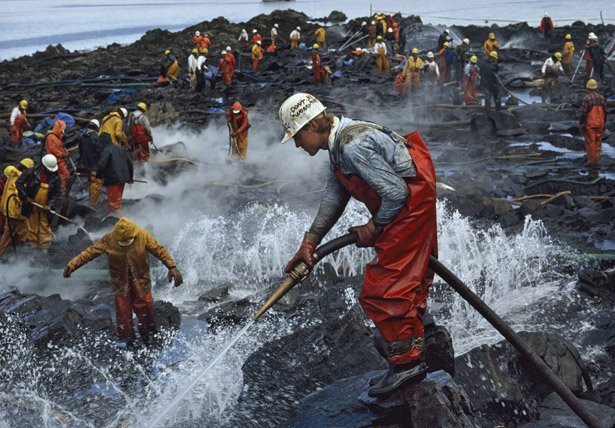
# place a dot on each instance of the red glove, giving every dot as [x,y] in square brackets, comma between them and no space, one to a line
[367,234]
[304,254]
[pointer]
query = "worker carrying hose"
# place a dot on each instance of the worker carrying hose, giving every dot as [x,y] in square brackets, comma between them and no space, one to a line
[41,185]
[394,177]
[127,247]
[593,121]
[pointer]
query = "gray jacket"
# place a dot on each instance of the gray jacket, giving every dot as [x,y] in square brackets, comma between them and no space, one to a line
[381,158]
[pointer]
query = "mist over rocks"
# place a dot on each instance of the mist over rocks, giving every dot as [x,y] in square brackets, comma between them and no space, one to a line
[311,367]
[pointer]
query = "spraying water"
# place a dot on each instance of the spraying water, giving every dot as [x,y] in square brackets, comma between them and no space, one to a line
[179,397]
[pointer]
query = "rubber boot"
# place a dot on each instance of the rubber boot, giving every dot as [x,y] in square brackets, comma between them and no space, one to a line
[398,375]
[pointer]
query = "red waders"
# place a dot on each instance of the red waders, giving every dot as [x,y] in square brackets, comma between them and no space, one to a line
[594,128]
[396,283]
[140,141]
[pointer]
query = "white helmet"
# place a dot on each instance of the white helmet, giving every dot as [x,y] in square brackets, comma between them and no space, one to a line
[95,122]
[276,25]
[50,162]
[466,41]
[124,112]
[430,54]
[223,53]
[297,111]
[197,33]
[592,36]
[298,28]
[254,31]
[363,23]
[228,48]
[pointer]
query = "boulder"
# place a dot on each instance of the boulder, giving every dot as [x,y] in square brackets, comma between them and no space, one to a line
[504,389]
[554,412]
[436,402]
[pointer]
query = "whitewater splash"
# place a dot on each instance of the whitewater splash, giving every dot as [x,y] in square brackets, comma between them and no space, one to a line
[511,272]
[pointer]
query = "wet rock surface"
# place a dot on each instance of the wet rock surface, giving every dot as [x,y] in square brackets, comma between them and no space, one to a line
[526,160]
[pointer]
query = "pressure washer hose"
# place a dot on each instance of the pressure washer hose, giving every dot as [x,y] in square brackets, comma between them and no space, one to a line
[301,272]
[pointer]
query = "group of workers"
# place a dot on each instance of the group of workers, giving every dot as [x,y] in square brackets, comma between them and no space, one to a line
[393,175]
[32,196]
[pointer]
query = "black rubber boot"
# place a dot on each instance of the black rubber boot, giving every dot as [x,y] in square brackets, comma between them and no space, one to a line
[398,376]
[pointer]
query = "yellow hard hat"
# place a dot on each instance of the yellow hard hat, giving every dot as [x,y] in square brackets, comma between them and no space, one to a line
[473,59]
[27,162]
[195,50]
[379,38]
[493,54]
[23,104]
[315,46]
[492,36]
[446,44]
[558,55]
[568,37]
[167,52]
[591,84]
[415,51]
[142,106]
[10,171]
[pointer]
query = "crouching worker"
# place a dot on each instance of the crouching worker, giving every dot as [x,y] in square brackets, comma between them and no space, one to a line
[394,177]
[127,247]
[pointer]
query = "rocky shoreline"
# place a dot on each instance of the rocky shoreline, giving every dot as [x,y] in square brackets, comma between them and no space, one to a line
[315,374]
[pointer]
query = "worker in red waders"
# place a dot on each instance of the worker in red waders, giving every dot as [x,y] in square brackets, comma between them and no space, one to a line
[127,247]
[394,177]
[319,70]
[17,120]
[592,122]
[140,133]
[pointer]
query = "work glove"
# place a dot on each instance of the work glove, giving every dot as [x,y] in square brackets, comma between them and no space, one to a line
[304,254]
[68,270]
[176,276]
[367,234]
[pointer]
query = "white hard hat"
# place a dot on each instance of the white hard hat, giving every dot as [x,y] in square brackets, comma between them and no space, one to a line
[197,33]
[546,14]
[258,42]
[275,25]
[363,23]
[223,53]
[298,28]
[430,54]
[228,48]
[95,122]
[124,112]
[236,111]
[592,36]
[445,31]
[297,111]
[466,41]
[254,31]
[50,162]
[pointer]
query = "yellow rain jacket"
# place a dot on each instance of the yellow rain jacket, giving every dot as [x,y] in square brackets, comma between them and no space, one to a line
[124,257]
[14,207]
[490,45]
[567,52]
[112,124]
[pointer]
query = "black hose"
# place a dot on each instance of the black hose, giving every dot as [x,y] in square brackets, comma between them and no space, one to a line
[504,329]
